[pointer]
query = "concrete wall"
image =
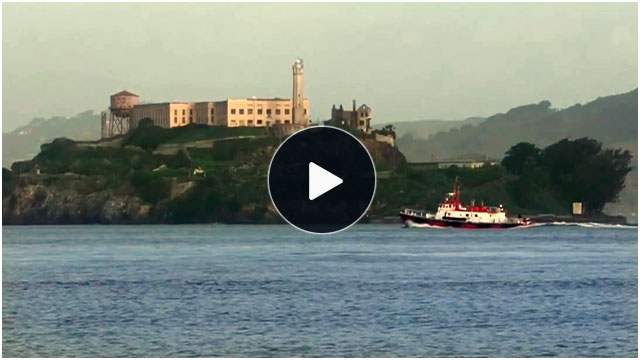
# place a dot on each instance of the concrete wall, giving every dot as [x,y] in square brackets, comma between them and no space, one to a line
[182,114]
[164,114]
[231,112]
[467,164]
[205,113]
[386,139]
[261,112]
[221,111]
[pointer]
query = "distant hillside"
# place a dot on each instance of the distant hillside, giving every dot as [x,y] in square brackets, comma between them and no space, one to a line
[24,142]
[422,129]
[611,119]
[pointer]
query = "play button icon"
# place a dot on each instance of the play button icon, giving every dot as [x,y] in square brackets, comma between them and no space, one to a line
[321,180]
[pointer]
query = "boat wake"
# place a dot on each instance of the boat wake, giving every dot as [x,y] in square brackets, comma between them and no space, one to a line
[411,224]
[534,225]
[591,225]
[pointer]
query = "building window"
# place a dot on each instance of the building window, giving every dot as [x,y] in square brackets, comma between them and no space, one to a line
[175,111]
[249,122]
[190,111]
[190,119]
[175,119]
[268,111]
[286,121]
[249,111]
[182,111]
[259,122]
[211,111]
[233,111]
[268,123]
[286,111]
[305,111]
[259,111]
[241,111]
[277,121]
[277,111]
[183,118]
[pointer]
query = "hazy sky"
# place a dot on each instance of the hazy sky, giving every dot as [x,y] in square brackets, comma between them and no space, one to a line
[407,61]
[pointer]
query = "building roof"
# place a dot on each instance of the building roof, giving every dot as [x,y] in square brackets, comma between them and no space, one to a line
[259,99]
[165,103]
[264,99]
[125,93]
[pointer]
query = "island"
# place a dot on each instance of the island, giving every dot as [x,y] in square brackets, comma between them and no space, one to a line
[216,174]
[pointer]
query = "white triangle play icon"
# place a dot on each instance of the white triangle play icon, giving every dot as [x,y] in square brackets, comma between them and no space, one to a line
[321,181]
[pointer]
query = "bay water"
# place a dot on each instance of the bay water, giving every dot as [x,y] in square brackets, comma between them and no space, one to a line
[372,290]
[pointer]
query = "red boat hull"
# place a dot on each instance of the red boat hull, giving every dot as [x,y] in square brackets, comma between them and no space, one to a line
[407,219]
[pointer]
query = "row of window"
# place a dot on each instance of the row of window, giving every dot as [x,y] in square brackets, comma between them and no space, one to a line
[250,111]
[258,122]
[175,111]
[241,122]
[184,121]
[241,111]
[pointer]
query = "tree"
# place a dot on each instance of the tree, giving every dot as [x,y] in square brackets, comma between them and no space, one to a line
[580,170]
[519,156]
[146,135]
[146,122]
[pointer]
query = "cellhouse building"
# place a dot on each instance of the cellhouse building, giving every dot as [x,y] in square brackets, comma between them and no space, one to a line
[125,111]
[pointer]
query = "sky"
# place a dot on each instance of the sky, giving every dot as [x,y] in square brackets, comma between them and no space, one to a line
[408,61]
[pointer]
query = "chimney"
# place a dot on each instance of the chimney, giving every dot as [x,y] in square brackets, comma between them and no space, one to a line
[354,104]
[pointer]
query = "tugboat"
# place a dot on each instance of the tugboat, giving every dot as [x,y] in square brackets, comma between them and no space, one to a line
[451,213]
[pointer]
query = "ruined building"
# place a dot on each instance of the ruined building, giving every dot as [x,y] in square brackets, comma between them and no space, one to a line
[357,118]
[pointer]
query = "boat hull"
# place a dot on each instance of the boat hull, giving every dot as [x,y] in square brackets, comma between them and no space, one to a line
[411,219]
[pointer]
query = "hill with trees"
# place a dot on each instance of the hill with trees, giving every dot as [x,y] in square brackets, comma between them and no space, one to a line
[204,174]
[569,171]
[194,173]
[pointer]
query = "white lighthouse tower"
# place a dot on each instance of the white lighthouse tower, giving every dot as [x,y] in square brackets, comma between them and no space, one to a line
[299,117]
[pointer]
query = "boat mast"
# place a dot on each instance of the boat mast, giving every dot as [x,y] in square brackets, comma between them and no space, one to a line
[456,193]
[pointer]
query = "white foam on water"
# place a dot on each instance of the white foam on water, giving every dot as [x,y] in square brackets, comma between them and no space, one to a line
[596,225]
[411,224]
[592,225]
